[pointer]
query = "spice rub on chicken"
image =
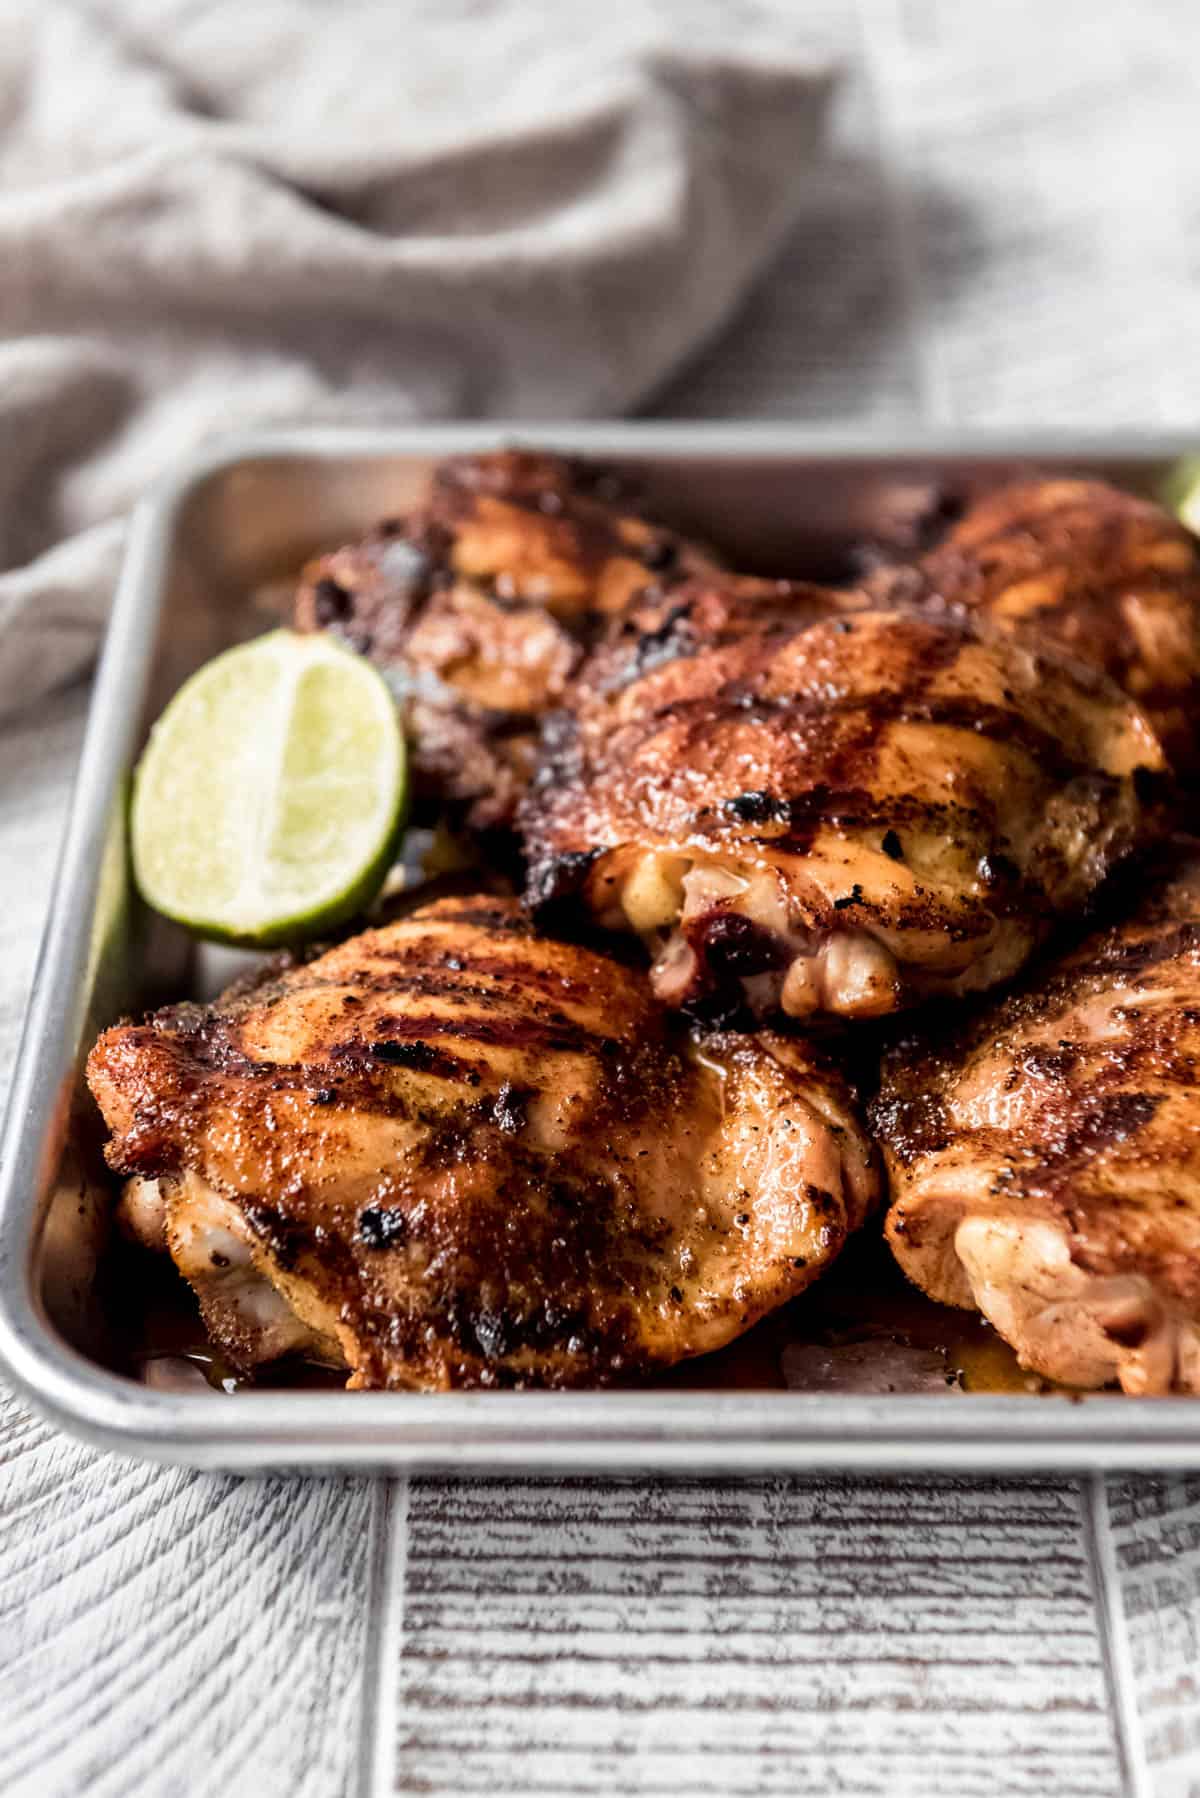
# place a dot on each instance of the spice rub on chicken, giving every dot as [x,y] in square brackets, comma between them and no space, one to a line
[1045,1155]
[452,1153]
[478,606]
[801,805]
[1110,577]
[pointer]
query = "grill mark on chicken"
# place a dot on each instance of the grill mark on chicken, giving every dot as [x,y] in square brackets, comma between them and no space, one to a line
[382,1227]
[693,614]
[762,776]
[911,1122]
[1104,1119]
[504,1031]
[665,642]
[488,982]
[852,808]
[287,1238]
[421,1054]
[551,882]
[482,1187]
[1109,577]
[494,916]
[812,712]
[1045,1154]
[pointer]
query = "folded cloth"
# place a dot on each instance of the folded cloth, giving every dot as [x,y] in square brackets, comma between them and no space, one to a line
[220,213]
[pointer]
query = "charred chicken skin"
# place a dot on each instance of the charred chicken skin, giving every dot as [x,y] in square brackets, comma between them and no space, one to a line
[478,606]
[1045,1155]
[1109,577]
[804,806]
[451,1153]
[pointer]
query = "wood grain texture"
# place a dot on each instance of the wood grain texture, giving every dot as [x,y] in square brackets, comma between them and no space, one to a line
[1155,1526]
[171,1633]
[774,1636]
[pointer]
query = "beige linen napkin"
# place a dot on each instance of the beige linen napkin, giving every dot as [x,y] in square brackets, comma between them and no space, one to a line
[229,214]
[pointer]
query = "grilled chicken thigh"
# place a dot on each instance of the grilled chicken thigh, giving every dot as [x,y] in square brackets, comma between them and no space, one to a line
[450,1152]
[478,605]
[1045,1155]
[1112,578]
[798,804]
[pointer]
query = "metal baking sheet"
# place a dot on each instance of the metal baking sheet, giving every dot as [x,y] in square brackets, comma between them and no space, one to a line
[208,540]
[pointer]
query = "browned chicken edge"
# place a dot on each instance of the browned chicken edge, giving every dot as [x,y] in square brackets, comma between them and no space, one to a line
[1044,1155]
[453,1153]
[478,606]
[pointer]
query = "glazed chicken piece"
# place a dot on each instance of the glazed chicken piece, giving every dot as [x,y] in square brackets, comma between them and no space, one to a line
[1045,1155]
[451,1153]
[827,810]
[478,605]
[1112,578]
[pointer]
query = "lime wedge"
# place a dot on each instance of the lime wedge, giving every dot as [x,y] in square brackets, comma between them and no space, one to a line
[269,798]
[1181,491]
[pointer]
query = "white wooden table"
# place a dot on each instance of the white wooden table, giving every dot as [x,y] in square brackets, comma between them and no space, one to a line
[1007,235]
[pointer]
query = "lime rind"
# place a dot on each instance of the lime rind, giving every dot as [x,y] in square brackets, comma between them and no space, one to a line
[270,798]
[1180,491]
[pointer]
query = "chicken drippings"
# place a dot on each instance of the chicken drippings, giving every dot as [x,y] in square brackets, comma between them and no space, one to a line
[863,1316]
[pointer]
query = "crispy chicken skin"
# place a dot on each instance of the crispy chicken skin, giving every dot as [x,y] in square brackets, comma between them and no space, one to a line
[798,804]
[478,606]
[1112,578]
[1045,1155]
[452,1153]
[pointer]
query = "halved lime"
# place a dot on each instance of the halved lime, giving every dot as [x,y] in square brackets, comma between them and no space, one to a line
[1181,491]
[269,798]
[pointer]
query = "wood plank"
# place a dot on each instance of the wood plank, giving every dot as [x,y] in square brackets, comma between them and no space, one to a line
[160,1631]
[758,1637]
[1155,1526]
[169,1632]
